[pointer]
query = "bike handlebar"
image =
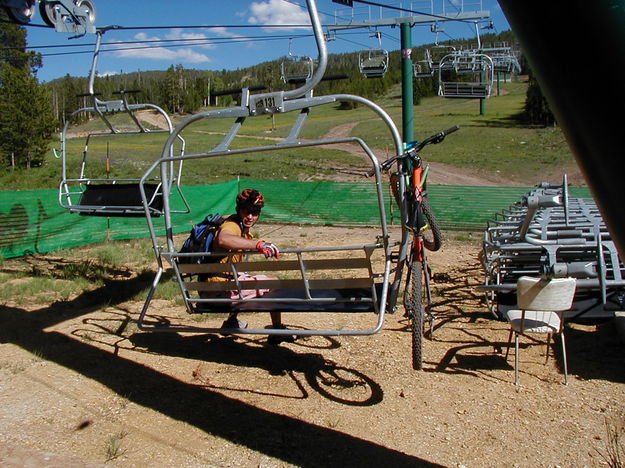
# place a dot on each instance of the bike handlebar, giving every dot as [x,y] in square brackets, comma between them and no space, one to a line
[413,151]
[436,138]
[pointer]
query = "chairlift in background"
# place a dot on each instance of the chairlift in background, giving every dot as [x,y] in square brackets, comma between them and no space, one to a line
[374,62]
[329,36]
[465,75]
[504,59]
[430,64]
[114,196]
[435,53]
[296,68]
[422,69]
[467,61]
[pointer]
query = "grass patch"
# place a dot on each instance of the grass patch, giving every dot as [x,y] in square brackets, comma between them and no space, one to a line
[495,141]
[113,447]
[37,290]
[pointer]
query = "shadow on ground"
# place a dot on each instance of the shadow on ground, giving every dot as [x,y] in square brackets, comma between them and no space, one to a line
[285,438]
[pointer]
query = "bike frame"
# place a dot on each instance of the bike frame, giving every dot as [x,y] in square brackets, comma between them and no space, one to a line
[416,184]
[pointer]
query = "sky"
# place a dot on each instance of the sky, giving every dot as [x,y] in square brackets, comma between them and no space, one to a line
[237,33]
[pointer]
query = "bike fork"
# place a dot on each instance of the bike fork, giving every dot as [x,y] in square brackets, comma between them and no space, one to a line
[427,274]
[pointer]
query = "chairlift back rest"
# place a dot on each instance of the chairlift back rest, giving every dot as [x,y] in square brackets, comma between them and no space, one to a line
[127,91]
[119,199]
[337,283]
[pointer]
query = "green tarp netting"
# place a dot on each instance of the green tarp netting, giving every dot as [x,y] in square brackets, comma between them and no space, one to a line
[33,221]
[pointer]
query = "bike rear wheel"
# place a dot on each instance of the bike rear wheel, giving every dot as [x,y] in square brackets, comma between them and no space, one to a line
[432,238]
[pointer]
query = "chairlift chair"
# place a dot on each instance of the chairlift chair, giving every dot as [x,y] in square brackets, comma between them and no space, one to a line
[373,289]
[435,53]
[422,69]
[114,196]
[477,77]
[504,58]
[467,62]
[296,68]
[336,279]
[549,233]
[506,63]
[374,62]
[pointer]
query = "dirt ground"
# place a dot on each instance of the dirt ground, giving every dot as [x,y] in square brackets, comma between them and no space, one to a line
[81,386]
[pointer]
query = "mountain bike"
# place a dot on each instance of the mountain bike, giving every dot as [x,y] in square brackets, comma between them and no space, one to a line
[408,185]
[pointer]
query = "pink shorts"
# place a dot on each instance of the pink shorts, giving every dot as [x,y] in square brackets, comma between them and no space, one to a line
[250,293]
[234,294]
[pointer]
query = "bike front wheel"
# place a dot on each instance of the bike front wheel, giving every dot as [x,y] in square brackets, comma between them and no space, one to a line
[432,238]
[413,302]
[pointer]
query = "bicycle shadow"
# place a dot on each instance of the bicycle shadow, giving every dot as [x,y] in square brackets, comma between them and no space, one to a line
[323,375]
[291,440]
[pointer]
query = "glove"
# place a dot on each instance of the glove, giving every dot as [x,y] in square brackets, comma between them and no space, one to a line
[268,249]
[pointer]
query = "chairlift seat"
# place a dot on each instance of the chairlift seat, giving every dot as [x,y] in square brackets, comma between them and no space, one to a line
[334,300]
[374,63]
[373,72]
[340,281]
[350,291]
[461,90]
[119,199]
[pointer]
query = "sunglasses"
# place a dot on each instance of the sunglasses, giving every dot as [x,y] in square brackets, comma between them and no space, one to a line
[253,211]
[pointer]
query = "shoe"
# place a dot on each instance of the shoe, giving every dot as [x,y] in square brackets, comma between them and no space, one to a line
[277,339]
[233,322]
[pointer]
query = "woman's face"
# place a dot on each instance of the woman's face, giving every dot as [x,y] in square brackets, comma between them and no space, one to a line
[249,216]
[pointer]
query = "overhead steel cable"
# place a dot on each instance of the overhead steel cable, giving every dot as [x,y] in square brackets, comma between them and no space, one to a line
[164,46]
[187,41]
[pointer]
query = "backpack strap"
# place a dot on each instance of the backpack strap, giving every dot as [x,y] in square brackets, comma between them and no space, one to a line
[236,219]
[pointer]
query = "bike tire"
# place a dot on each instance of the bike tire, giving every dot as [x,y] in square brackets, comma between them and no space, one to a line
[414,305]
[432,239]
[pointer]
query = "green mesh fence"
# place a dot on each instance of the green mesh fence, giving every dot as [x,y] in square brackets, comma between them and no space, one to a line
[33,222]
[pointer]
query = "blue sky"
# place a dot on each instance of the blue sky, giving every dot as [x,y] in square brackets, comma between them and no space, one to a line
[225,46]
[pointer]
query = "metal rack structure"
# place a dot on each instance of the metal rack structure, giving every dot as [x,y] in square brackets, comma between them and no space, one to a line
[550,234]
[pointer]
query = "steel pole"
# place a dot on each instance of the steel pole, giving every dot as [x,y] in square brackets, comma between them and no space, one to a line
[407,89]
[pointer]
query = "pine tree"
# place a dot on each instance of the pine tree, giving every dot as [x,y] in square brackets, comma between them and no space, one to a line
[537,110]
[26,122]
[26,117]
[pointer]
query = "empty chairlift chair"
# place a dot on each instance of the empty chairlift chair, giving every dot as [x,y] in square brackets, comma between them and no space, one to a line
[465,75]
[373,63]
[112,194]
[296,68]
[550,232]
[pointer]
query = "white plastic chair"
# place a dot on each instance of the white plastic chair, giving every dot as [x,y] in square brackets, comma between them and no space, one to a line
[541,303]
